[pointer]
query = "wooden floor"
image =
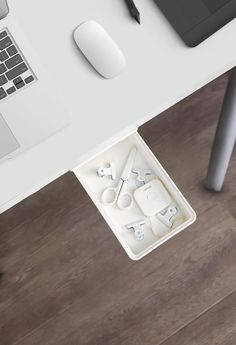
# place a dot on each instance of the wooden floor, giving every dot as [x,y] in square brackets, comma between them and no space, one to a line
[67,281]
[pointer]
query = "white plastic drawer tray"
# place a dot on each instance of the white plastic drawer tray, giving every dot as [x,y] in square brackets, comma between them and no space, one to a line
[155,232]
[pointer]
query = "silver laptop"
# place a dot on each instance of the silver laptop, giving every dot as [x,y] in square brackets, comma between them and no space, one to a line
[29,107]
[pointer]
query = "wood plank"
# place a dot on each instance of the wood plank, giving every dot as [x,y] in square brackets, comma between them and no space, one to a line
[117,301]
[216,326]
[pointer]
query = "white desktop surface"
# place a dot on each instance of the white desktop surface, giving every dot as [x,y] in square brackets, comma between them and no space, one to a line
[161,71]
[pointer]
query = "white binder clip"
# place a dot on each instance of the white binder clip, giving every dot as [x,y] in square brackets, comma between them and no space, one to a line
[137,228]
[108,171]
[141,176]
[167,218]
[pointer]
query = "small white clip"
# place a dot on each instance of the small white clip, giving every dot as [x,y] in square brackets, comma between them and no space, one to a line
[141,176]
[108,171]
[167,217]
[137,228]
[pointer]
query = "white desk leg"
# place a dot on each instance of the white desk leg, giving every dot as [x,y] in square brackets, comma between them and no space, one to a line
[224,138]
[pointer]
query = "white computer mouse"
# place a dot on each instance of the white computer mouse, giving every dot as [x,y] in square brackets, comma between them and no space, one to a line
[99,49]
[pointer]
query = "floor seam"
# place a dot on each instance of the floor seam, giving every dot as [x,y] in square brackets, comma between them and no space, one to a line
[198,316]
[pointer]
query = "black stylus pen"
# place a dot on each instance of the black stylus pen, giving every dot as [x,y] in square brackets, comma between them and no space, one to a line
[133,10]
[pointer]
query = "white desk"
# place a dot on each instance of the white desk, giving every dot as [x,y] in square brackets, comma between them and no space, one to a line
[161,71]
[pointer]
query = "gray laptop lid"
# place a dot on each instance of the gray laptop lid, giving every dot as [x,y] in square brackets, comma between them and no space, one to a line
[8,142]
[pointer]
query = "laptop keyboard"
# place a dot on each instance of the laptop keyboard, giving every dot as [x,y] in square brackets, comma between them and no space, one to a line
[15,73]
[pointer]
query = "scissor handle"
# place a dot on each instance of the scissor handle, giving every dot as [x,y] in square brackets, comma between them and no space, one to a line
[109,196]
[118,195]
[125,201]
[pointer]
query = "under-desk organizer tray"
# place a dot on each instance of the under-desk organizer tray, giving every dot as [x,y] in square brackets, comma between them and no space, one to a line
[151,219]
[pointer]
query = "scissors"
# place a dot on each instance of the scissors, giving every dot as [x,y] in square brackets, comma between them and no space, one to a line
[118,195]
